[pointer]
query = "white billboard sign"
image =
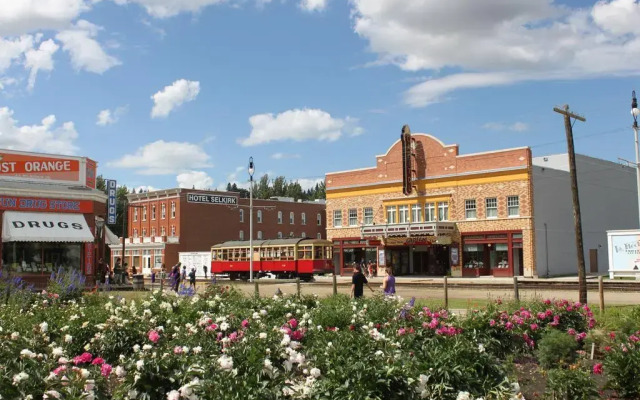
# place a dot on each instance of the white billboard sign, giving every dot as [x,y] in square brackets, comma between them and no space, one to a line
[624,253]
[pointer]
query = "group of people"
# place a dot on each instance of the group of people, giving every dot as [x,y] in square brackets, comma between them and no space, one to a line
[178,275]
[359,280]
[116,275]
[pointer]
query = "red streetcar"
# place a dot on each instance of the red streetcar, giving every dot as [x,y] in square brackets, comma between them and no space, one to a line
[285,258]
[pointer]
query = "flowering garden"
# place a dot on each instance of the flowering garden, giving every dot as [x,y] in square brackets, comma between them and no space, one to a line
[220,344]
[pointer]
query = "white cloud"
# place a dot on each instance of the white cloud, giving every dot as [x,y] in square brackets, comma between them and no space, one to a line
[197,179]
[6,81]
[44,137]
[23,16]
[85,52]
[499,42]
[313,5]
[499,126]
[40,60]
[170,8]
[162,158]
[13,49]
[108,117]
[174,95]
[145,188]
[306,183]
[298,125]
[282,156]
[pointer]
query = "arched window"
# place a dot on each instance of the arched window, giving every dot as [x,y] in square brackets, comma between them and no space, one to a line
[241,215]
[292,218]
[259,216]
[279,217]
[260,235]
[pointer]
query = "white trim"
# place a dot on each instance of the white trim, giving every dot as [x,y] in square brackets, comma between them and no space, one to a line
[152,199]
[349,170]
[493,151]
[71,194]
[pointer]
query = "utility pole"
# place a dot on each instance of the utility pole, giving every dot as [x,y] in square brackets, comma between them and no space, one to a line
[577,219]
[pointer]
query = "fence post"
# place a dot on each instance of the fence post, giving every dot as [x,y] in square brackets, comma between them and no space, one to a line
[335,284]
[516,292]
[298,286]
[256,288]
[446,293]
[601,292]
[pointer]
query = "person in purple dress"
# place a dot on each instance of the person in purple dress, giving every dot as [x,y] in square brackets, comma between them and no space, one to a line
[389,283]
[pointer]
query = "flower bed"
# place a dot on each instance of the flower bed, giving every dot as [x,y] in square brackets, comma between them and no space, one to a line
[222,345]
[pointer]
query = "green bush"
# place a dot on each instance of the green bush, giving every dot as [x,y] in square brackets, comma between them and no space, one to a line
[556,349]
[572,383]
[622,367]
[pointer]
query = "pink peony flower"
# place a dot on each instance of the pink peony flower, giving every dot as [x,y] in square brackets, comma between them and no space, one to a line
[177,350]
[98,361]
[211,328]
[293,323]
[580,336]
[82,359]
[547,301]
[245,323]
[105,370]
[571,331]
[534,327]
[154,336]
[233,336]
[597,369]
[297,335]
[508,326]
[60,369]
[612,335]
[401,331]
[492,323]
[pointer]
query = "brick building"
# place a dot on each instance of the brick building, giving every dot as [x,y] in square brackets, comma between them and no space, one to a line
[163,223]
[426,209]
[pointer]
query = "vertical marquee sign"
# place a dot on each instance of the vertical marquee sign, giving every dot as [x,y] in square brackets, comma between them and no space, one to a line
[111,201]
[407,160]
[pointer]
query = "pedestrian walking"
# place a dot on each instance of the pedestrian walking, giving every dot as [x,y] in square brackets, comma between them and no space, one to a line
[357,282]
[204,268]
[192,278]
[184,272]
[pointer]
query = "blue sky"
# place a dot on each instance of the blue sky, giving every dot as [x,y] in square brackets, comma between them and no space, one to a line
[182,92]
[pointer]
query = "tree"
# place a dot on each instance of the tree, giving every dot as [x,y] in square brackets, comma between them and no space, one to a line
[264,190]
[280,186]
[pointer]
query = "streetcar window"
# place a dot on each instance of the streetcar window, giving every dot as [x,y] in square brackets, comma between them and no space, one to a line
[329,252]
[317,253]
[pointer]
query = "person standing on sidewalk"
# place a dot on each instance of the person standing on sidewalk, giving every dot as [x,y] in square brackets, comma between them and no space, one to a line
[389,283]
[357,282]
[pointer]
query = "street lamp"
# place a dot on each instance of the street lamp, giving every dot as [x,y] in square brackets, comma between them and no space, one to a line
[635,112]
[251,170]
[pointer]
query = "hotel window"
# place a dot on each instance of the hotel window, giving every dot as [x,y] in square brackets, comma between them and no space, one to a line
[492,207]
[416,215]
[259,216]
[470,209]
[279,217]
[144,232]
[429,212]
[135,214]
[319,219]
[291,234]
[241,235]
[144,213]
[163,231]
[303,218]
[173,230]
[443,211]
[260,235]
[319,235]
[241,215]
[353,217]
[279,235]
[292,218]
[304,234]
[153,213]
[173,209]
[513,206]
[337,218]
[135,232]
[391,214]
[403,213]
[368,215]
[153,232]
[163,211]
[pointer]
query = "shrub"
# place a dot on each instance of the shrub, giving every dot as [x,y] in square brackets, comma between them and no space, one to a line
[556,349]
[66,284]
[574,383]
[622,366]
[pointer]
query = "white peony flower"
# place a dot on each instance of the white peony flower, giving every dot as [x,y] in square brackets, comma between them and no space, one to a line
[17,378]
[197,350]
[84,373]
[68,338]
[136,348]
[224,326]
[147,347]
[225,362]
[481,348]
[51,394]
[139,365]
[44,327]
[27,353]
[464,396]
[315,372]
[262,335]
[57,351]
[132,394]
[120,372]
[15,336]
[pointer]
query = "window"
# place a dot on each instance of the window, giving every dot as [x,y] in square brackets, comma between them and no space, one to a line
[443,211]
[429,212]
[241,236]
[153,212]
[304,234]
[259,216]
[163,211]
[241,215]
[492,207]
[279,217]
[319,235]
[391,214]
[319,219]
[153,231]
[513,206]
[173,209]
[144,213]
[291,234]
[367,213]
[353,217]
[173,230]
[259,235]
[163,231]
[303,218]
[292,218]
[337,218]
[135,232]
[144,232]
[403,214]
[470,211]
[135,214]
[416,215]
[279,235]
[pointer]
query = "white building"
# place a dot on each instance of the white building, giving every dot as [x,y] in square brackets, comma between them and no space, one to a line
[608,201]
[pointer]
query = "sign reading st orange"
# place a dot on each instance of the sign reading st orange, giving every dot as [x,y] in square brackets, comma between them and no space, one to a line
[27,166]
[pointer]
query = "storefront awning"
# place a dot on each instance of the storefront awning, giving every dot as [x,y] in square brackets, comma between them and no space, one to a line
[44,227]
[110,237]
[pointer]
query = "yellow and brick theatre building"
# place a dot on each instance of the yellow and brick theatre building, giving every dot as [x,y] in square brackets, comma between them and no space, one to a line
[426,209]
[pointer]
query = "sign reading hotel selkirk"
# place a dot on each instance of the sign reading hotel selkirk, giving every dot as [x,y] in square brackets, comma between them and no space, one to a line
[211,199]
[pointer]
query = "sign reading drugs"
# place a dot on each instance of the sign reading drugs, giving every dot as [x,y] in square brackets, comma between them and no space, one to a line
[111,201]
[211,199]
